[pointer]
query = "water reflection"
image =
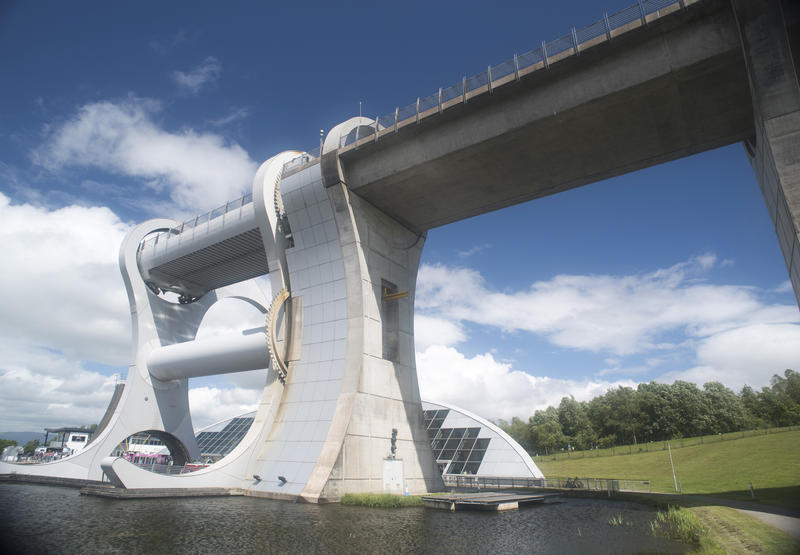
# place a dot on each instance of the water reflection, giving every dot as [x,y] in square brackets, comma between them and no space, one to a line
[40,519]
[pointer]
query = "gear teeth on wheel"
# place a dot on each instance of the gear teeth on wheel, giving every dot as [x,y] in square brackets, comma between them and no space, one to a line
[272,317]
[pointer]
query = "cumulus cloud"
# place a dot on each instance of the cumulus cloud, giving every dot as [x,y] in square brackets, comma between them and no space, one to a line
[197,170]
[212,404]
[429,330]
[40,388]
[192,81]
[63,303]
[728,333]
[620,315]
[61,287]
[748,355]
[494,389]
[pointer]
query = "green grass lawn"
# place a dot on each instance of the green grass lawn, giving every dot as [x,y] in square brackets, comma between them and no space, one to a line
[722,468]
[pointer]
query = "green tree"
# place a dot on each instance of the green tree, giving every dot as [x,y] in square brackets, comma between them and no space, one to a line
[5,443]
[30,447]
[726,409]
[658,413]
[546,433]
[778,408]
[575,424]
[519,430]
[754,413]
[690,409]
[624,418]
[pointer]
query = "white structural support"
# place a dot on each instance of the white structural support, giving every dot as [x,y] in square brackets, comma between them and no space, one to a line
[341,394]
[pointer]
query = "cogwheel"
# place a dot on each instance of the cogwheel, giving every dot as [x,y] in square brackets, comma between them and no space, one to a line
[276,361]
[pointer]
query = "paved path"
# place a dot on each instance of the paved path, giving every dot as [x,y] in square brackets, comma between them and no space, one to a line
[789,524]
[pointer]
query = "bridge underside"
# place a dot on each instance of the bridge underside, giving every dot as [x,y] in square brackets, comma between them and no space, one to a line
[658,93]
[230,260]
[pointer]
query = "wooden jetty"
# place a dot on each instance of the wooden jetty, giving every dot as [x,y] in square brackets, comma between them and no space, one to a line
[484,501]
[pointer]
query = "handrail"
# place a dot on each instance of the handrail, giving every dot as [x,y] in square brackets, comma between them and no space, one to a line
[196,222]
[502,482]
[603,30]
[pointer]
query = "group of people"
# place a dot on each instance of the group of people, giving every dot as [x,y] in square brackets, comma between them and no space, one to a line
[42,455]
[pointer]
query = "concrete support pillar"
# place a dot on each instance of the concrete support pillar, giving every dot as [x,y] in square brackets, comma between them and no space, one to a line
[380,391]
[767,31]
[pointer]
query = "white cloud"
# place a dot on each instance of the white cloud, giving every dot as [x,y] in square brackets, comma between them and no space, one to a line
[785,287]
[207,72]
[63,302]
[212,404]
[748,355]
[618,315]
[199,171]
[234,115]
[732,335]
[477,249]
[61,287]
[429,330]
[232,315]
[494,389]
[39,389]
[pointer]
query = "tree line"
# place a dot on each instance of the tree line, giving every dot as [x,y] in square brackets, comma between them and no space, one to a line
[28,448]
[657,412]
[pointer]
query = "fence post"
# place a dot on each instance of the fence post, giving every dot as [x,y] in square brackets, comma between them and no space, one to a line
[575,42]
[464,89]
[608,26]
[641,11]
[396,115]
[516,67]
[440,100]
[489,77]
[544,55]
[417,109]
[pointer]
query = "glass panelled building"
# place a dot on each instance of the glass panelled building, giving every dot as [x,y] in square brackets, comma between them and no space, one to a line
[466,444]
[462,443]
[221,438]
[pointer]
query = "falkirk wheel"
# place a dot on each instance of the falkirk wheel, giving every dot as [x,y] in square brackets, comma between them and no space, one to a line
[341,404]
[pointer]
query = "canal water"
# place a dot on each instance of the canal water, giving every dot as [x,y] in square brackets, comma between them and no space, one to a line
[44,519]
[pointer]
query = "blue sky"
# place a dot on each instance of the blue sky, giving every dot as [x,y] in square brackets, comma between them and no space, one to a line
[111,114]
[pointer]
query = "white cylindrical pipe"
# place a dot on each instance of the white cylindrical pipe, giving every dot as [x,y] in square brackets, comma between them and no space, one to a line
[206,357]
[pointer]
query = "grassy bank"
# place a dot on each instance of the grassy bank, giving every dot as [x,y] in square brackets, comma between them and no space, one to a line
[731,531]
[721,530]
[722,468]
[383,500]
